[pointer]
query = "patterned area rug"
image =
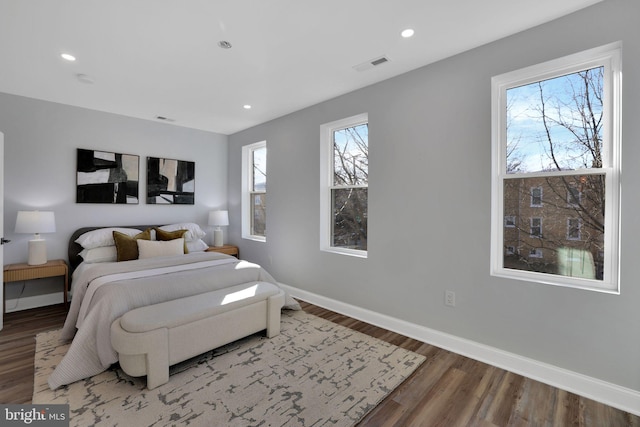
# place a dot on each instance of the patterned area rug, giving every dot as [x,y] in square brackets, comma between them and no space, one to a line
[315,373]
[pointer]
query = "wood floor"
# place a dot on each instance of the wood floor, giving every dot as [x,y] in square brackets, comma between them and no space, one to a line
[447,390]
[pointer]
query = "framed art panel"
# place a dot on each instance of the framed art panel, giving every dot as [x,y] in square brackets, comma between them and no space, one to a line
[170,181]
[106,177]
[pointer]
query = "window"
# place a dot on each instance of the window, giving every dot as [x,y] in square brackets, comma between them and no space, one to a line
[556,161]
[536,227]
[510,221]
[573,228]
[535,253]
[254,198]
[536,197]
[344,185]
[574,196]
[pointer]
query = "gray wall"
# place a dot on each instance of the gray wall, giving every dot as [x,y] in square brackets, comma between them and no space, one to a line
[429,206]
[41,139]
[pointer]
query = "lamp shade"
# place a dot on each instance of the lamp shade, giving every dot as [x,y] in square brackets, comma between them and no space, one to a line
[35,222]
[219,218]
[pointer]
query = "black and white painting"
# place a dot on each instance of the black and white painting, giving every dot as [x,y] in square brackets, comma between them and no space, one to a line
[170,182]
[105,177]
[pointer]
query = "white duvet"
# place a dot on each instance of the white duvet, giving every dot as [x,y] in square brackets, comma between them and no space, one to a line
[105,291]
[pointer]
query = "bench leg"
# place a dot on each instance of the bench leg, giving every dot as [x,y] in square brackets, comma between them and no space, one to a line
[274,305]
[158,367]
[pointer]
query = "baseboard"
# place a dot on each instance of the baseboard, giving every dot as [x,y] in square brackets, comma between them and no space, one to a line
[610,394]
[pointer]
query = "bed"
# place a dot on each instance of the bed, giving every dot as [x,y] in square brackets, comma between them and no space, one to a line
[103,289]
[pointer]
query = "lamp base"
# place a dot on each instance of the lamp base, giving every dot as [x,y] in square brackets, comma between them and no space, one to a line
[217,238]
[37,252]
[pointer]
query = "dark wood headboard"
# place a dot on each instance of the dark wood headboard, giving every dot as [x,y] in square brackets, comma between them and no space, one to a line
[74,249]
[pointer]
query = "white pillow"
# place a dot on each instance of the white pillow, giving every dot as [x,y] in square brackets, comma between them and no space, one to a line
[103,237]
[152,248]
[194,233]
[101,254]
[197,246]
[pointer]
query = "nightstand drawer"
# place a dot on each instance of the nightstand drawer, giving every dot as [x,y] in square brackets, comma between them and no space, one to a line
[33,272]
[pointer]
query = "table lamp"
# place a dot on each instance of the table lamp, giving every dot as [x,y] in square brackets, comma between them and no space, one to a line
[217,219]
[36,222]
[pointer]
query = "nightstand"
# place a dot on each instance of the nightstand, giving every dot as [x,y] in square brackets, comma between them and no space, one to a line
[21,272]
[225,249]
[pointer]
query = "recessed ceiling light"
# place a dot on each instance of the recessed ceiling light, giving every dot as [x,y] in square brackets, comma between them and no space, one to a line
[246,107]
[407,33]
[68,57]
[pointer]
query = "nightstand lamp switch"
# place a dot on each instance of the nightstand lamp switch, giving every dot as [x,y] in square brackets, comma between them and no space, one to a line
[36,222]
[217,219]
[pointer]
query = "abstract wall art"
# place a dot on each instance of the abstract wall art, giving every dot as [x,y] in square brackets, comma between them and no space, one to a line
[105,177]
[170,182]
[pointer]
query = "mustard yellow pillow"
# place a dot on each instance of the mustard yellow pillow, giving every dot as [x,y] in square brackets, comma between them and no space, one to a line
[127,246]
[171,235]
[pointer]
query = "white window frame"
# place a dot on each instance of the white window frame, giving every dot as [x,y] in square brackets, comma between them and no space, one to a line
[510,221]
[326,183]
[608,56]
[247,190]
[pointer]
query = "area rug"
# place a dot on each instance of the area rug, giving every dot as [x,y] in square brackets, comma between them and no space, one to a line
[315,373]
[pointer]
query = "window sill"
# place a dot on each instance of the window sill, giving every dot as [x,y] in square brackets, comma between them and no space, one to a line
[344,251]
[562,281]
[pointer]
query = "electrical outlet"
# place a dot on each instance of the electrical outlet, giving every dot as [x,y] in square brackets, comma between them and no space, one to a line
[450,298]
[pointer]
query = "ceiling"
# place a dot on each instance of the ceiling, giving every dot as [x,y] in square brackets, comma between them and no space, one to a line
[150,58]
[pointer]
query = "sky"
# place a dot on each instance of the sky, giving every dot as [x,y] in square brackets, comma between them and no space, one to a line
[526,134]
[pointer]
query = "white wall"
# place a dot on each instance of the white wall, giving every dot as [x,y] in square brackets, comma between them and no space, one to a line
[429,206]
[41,139]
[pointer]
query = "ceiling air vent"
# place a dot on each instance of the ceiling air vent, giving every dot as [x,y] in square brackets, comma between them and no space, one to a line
[371,63]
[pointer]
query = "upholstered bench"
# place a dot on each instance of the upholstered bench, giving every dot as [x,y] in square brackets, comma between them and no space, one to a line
[150,339]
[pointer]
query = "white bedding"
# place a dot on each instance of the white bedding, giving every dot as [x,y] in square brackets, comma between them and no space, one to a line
[95,284]
[105,291]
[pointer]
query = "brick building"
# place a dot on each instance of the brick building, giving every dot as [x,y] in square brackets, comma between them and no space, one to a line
[555,224]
